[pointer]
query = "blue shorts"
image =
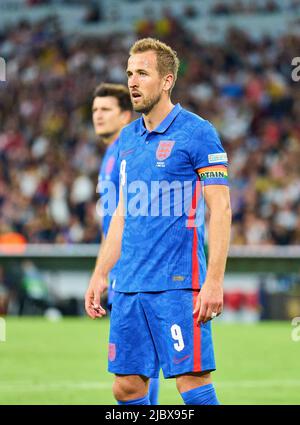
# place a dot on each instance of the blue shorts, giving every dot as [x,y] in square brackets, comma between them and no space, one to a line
[153,330]
[110,292]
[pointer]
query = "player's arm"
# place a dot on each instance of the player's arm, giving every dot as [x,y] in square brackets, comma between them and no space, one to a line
[210,298]
[108,256]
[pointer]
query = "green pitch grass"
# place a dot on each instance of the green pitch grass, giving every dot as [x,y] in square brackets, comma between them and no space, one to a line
[64,362]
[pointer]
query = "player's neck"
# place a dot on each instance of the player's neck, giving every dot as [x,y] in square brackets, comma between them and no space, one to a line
[109,140]
[159,112]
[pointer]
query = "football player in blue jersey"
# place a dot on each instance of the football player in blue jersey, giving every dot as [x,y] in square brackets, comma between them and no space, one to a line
[172,166]
[112,110]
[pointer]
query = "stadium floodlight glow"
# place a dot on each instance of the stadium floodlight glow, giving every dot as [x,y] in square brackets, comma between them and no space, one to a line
[2,330]
[2,69]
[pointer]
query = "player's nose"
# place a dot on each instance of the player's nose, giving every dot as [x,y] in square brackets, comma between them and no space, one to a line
[98,116]
[133,81]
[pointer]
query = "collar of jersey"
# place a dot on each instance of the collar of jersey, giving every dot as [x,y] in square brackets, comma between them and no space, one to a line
[165,124]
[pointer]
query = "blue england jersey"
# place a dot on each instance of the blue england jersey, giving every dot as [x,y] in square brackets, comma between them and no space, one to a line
[109,172]
[162,174]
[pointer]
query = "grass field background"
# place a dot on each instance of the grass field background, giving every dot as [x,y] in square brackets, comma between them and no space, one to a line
[64,362]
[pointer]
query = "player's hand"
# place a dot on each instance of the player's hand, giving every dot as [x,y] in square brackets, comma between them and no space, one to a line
[209,300]
[98,284]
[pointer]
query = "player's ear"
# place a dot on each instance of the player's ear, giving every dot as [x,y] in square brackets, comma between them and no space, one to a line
[168,82]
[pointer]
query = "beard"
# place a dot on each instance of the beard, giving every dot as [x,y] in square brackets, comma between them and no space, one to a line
[147,105]
[106,135]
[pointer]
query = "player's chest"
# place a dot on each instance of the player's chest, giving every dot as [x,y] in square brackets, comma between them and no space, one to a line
[156,158]
[109,168]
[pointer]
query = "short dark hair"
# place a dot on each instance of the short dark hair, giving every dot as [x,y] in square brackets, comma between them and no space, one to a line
[119,91]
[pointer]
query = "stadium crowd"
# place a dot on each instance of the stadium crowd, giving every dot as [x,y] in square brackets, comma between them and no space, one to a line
[256,6]
[49,156]
[216,8]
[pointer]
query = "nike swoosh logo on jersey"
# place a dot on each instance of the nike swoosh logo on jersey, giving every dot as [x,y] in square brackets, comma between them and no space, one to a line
[177,361]
[125,153]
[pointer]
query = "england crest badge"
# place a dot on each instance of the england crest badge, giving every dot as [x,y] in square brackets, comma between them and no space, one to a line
[163,151]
